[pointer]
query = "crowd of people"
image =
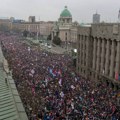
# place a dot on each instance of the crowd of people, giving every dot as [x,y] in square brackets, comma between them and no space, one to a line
[50,89]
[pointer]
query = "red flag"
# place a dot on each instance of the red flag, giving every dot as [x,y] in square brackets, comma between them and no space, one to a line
[116,75]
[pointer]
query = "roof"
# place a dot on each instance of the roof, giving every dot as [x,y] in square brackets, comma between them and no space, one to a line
[11,107]
[85,25]
[65,13]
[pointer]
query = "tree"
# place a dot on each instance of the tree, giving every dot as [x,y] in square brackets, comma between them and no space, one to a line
[49,37]
[57,40]
[25,33]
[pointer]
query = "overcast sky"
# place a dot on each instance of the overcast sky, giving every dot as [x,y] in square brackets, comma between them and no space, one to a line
[49,10]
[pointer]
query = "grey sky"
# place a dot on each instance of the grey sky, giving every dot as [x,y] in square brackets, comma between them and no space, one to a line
[81,10]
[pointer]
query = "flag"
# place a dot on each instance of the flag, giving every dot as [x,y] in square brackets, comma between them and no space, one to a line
[32,71]
[116,75]
[28,49]
[51,72]
[33,91]
[60,82]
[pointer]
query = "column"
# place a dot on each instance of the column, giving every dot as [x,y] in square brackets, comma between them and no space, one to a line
[107,57]
[88,60]
[112,59]
[117,69]
[78,53]
[83,50]
[98,55]
[102,56]
[87,50]
[94,53]
[80,48]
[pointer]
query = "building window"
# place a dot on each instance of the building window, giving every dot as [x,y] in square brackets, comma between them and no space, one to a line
[85,63]
[108,71]
[67,20]
[82,37]
[90,73]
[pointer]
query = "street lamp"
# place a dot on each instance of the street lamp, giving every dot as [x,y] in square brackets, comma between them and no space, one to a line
[37,33]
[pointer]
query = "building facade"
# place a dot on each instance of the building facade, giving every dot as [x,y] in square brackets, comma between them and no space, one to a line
[65,29]
[98,56]
[31,19]
[96,18]
[41,27]
[5,24]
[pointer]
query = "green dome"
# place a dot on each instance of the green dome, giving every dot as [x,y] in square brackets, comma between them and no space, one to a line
[65,13]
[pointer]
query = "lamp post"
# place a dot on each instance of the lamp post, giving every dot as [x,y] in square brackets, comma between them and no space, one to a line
[37,33]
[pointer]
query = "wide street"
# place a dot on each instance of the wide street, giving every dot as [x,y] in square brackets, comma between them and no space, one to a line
[53,48]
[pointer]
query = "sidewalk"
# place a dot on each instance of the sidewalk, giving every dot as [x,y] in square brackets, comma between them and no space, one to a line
[11,107]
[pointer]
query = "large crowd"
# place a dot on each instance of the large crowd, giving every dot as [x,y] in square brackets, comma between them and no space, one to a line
[50,89]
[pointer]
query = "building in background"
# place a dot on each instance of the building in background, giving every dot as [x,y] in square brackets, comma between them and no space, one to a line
[119,16]
[96,18]
[42,28]
[65,29]
[5,24]
[31,19]
[98,55]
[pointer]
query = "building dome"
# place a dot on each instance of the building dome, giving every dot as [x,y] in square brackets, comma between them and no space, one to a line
[65,13]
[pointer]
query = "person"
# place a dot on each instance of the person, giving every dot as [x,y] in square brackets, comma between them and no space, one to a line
[6,81]
[56,93]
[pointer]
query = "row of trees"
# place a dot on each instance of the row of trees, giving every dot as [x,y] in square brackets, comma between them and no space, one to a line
[56,39]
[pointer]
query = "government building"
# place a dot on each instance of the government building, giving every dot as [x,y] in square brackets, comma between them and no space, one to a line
[65,29]
[98,55]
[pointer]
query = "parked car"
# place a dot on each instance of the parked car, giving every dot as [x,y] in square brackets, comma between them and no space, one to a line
[49,46]
[45,44]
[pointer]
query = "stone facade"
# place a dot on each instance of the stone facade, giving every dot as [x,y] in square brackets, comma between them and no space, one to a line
[44,28]
[65,29]
[5,23]
[99,52]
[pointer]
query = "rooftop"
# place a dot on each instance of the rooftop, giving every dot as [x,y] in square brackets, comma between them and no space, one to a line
[11,107]
[65,13]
